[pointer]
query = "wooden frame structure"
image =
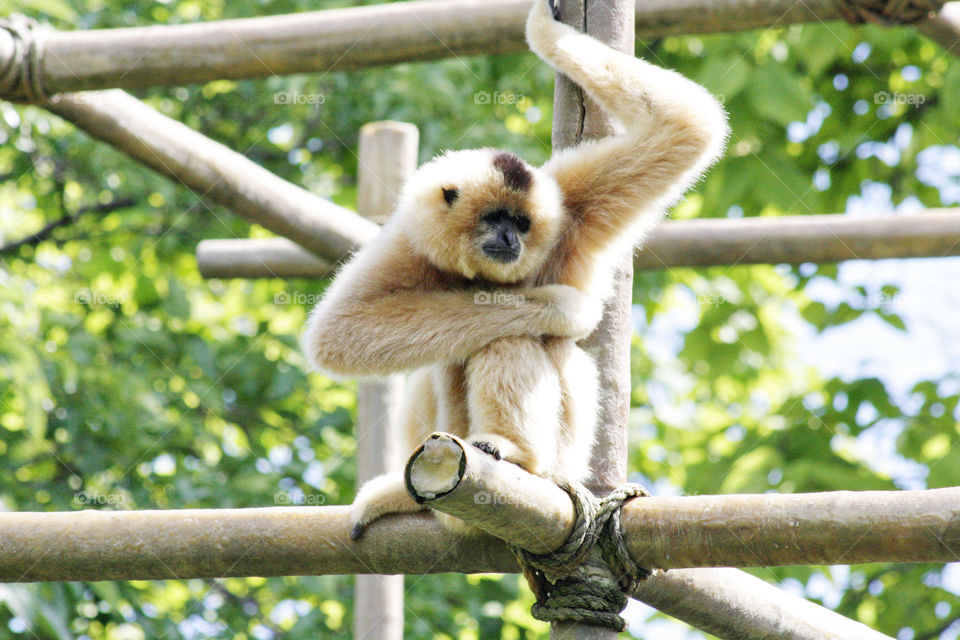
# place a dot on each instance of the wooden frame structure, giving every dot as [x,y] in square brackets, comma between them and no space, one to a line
[685,535]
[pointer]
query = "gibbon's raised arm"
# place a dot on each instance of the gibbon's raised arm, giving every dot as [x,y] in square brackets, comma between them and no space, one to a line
[674,130]
[383,314]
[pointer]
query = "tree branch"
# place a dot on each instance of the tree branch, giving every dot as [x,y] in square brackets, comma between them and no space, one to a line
[47,230]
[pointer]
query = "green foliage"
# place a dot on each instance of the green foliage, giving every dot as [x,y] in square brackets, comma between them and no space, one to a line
[128,382]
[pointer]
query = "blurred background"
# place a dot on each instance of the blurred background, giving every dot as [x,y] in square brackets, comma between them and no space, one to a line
[129,382]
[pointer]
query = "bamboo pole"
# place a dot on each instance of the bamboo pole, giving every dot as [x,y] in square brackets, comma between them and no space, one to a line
[838,527]
[934,233]
[259,258]
[387,157]
[669,532]
[660,532]
[495,496]
[352,38]
[922,526]
[577,118]
[215,172]
[211,543]
[734,605]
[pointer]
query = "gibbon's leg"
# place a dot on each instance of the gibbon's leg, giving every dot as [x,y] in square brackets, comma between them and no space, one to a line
[387,493]
[450,382]
[580,388]
[514,399]
[378,497]
[421,409]
[674,130]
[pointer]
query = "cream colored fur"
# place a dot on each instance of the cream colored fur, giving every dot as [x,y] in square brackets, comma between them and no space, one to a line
[503,368]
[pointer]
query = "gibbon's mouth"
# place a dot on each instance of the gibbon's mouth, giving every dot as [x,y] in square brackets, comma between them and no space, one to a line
[500,253]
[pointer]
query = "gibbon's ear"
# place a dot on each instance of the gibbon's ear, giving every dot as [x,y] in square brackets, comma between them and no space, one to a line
[451,194]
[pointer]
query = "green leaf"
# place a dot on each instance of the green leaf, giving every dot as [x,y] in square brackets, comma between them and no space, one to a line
[892,319]
[778,95]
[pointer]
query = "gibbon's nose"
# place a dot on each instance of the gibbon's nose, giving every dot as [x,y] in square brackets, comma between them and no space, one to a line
[508,238]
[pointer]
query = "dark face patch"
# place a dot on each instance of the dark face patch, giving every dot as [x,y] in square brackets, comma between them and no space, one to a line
[450,195]
[516,176]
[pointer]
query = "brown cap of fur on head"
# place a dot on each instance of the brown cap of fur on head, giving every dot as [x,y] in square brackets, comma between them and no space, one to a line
[443,205]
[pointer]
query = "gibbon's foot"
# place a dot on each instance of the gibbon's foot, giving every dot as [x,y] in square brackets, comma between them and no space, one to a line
[555,9]
[380,496]
[503,448]
[487,447]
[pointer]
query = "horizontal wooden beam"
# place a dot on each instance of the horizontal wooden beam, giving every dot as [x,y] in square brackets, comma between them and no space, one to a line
[667,533]
[935,233]
[836,527]
[352,38]
[210,543]
[259,258]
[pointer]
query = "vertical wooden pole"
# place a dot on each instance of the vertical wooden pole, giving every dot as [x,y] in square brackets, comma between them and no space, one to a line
[387,157]
[577,118]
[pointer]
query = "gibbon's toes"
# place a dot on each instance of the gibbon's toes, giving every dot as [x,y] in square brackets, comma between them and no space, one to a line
[357,531]
[487,447]
[555,9]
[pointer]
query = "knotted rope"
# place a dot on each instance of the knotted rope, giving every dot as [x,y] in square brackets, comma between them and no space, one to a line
[588,578]
[887,12]
[20,77]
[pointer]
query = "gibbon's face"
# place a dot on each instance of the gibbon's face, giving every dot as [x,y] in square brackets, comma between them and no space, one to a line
[482,213]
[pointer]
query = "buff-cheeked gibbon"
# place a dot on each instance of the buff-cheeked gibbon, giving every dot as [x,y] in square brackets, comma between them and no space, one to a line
[490,269]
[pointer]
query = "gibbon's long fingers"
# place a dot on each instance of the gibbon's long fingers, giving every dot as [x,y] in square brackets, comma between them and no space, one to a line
[674,130]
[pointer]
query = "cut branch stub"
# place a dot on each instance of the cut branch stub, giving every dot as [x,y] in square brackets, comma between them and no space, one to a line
[456,478]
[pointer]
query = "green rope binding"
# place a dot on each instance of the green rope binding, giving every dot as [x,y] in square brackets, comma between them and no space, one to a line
[588,578]
[20,78]
[887,12]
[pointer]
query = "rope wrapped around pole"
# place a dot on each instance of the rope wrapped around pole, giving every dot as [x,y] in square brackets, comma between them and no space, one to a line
[21,78]
[888,12]
[588,579]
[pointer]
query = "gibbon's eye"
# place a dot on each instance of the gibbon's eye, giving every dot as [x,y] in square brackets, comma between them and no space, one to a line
[496,217]
[523,223]
[451,194]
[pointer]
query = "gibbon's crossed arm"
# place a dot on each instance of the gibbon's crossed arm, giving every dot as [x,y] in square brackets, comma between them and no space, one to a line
[391,310]
[407,299]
